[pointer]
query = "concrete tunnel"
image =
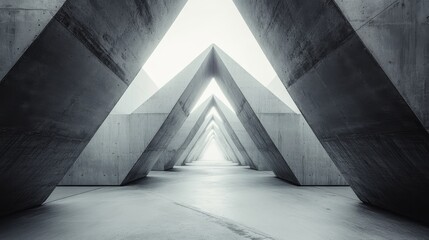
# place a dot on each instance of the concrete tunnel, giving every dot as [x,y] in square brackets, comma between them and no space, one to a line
[109,102]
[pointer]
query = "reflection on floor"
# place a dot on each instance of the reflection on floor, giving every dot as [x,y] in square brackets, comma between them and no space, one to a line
[201,202]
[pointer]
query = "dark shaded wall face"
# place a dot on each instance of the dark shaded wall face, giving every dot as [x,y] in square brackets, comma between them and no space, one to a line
[65,84]
[361,119]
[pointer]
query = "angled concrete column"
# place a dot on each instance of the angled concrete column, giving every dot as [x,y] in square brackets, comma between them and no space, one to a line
[64,85]
[188,146]
[202,144]
[196,118]
[232,142]
[257,161]
[292,138]
[185,135]
[228,147]
[228,154]
[142,126]
[197,75]
[231,136]
[349,98]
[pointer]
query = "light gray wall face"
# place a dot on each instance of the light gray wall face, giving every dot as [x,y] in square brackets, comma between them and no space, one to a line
[63,86]
[301,149]
[20,24]
[106,154]
[114,149]
[346,95]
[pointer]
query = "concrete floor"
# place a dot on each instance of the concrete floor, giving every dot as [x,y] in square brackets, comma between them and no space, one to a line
[207,202]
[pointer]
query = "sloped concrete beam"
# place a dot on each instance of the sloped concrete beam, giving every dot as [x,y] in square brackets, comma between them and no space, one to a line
[195,119]
[254,156]
[292,138]
[64,85]
[176,116]
[142,126]
[345,94]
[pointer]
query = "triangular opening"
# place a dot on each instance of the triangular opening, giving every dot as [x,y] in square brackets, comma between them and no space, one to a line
[213,89]
[212,153]
[214,114]
[200,24]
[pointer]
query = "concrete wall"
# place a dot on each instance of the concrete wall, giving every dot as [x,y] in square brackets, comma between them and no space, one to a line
[114,149]
[301,149]
[99,163]
[347,96]
[64,85]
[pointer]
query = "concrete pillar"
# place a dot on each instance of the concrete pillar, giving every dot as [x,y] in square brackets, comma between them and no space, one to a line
[293,151]
[367,118]
[257,160]
[64,85]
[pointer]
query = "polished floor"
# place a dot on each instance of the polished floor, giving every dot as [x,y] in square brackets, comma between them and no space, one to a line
[207,202]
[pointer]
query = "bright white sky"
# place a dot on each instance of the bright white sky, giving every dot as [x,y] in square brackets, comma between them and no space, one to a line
[200,24]
[213,152]
[213,89]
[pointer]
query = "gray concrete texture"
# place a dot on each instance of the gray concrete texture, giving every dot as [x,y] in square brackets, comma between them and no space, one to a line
[257,160]
[137,130]
[54,98]
[167,159]
[20,24]
[302,153]
[357,71]
[213,129]
[290,150]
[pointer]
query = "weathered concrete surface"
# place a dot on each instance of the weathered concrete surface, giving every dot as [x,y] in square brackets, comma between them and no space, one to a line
[197,74]
[227,129]
[139,91]
[353,107]
[64,85]
[292,137]
[196,118]
[105,156]
[20,24]
[396,33]
[257,159]
[142,126]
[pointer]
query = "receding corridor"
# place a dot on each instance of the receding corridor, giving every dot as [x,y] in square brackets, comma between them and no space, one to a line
[207,202]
